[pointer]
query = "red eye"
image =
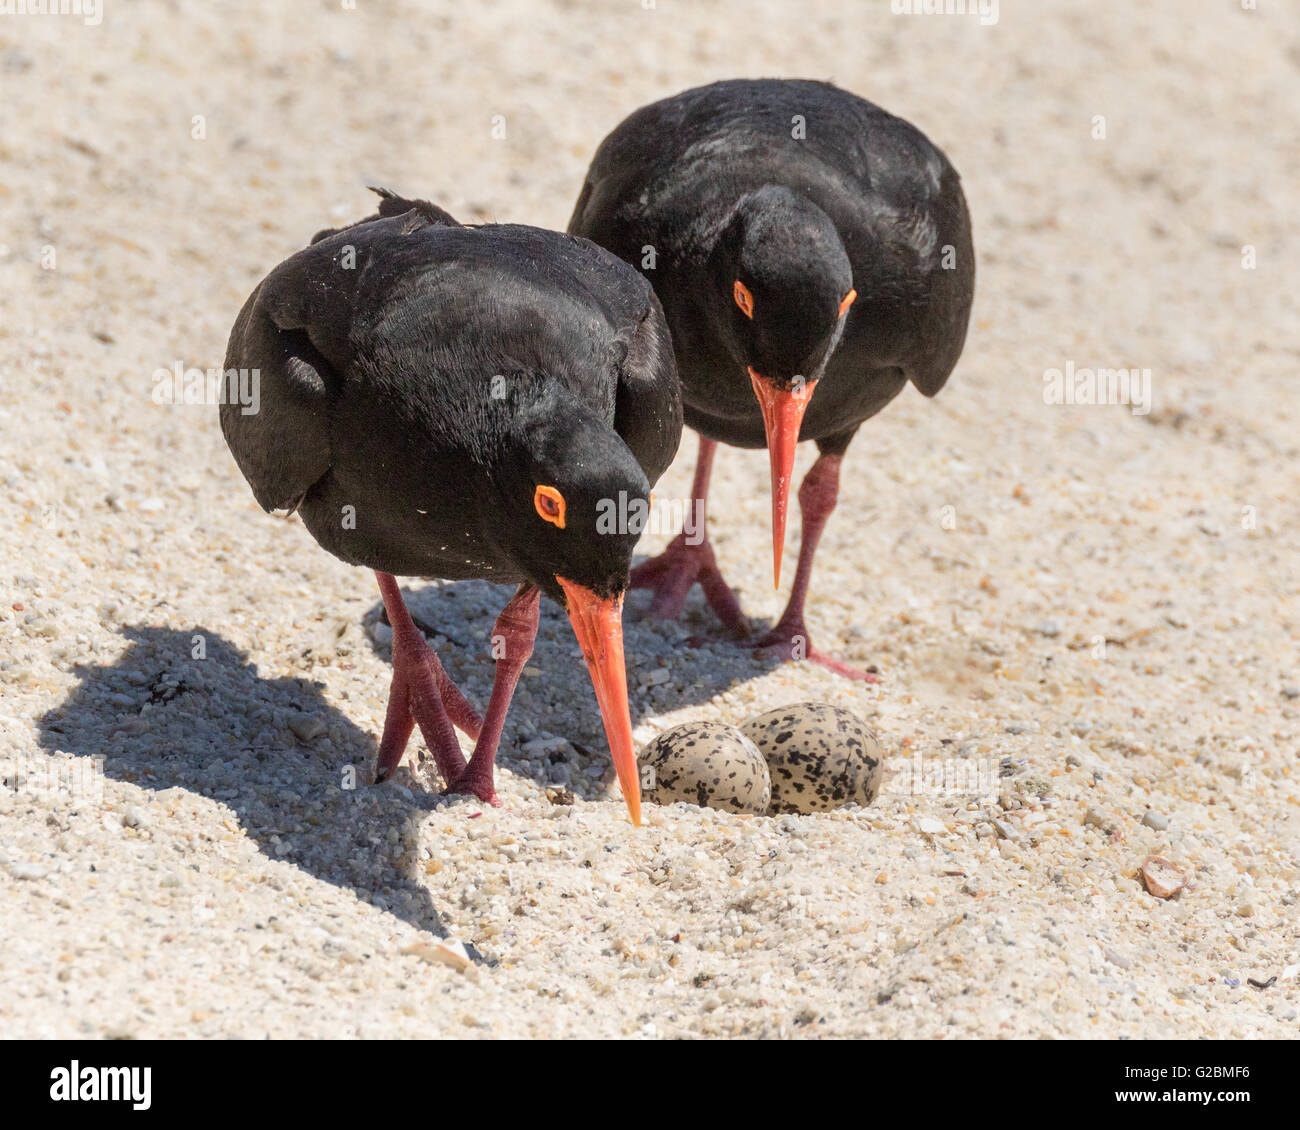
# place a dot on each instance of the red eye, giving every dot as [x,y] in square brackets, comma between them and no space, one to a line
[549,504]
[744,299]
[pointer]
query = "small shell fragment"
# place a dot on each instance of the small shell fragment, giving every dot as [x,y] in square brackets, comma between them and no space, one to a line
[1162,878]
[446,951]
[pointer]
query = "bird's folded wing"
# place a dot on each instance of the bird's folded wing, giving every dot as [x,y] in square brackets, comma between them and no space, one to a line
[948,286]
[283,447]
[648,404]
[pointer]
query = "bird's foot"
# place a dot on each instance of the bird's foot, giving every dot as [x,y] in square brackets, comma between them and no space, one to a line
[463,716]
[423,694]
[473,782]
[671,575]
[514,632]
[790,641]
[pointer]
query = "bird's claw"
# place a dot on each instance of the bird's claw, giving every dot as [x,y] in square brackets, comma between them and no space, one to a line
[794,644]
[671,575]
[472,784]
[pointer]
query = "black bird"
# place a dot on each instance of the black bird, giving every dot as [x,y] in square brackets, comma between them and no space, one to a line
[812,254]
[440,400]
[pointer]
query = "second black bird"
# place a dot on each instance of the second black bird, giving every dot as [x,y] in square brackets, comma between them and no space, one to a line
[813,255]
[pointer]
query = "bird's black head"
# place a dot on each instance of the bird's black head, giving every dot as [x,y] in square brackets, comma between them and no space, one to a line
[576,496]
[783,285]
[572,501]
[782,289]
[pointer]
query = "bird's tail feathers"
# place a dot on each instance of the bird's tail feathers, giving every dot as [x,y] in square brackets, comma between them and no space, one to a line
[422,213]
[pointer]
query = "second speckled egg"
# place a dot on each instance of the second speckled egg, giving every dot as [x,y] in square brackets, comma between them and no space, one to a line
[705,763]
[819,757]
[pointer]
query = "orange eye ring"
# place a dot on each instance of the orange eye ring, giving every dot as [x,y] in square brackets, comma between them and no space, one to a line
[847,301]
[549,504]
[744,299]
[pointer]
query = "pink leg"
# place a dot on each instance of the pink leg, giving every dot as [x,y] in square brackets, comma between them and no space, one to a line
[422,694]
[817,494]
[513,636]
[674,571]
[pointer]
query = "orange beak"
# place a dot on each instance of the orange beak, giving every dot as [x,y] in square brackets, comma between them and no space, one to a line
[598,624]
[783,411]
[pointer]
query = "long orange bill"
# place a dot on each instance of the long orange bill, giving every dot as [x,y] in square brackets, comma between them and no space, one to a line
[598,624]
[783,411]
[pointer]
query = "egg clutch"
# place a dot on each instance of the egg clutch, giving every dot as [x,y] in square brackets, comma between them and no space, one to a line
[802,758]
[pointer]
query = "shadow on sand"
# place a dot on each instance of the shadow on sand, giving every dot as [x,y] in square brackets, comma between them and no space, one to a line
[458,618]
[215,726]
[164,719]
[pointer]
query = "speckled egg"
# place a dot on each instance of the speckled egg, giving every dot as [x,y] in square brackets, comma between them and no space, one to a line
[819,757]
[705,763]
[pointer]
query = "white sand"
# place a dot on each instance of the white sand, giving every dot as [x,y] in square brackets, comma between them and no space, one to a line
[224,884]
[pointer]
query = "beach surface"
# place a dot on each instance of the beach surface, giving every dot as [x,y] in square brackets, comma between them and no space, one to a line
[1085,616]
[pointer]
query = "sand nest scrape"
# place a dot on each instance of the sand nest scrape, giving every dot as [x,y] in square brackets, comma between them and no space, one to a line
[1088,613]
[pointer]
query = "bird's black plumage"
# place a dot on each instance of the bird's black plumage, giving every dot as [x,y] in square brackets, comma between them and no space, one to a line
[449,401]
[427,375]
[791,168]
[813,254]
